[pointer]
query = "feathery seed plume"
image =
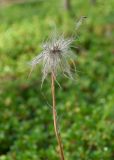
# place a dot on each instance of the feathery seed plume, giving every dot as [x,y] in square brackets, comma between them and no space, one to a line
[54,56]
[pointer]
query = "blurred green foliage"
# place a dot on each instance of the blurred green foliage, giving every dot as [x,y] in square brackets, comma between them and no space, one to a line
[85,107]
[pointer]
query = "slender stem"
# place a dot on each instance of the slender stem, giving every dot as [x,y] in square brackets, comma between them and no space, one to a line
[55,118]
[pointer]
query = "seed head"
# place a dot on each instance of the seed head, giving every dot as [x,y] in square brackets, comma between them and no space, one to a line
[54,56]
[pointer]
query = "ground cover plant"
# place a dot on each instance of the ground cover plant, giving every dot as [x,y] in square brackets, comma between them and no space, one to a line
[86,118]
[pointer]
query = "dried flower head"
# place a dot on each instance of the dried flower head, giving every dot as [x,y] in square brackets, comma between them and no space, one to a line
[80,21]
[54,56]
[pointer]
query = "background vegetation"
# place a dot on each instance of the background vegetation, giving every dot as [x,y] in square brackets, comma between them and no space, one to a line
[86,108]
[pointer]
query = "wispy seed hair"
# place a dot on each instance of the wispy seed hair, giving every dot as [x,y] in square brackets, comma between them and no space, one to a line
[54,56]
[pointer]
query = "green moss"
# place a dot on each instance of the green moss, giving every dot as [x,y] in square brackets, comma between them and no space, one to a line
[85,106]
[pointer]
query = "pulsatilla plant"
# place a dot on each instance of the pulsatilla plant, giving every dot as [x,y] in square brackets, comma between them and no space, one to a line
[55,57]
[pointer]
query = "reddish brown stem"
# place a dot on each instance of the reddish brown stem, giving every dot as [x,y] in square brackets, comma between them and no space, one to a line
[55,118]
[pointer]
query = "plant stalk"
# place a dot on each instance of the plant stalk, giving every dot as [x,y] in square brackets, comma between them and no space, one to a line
[55,118]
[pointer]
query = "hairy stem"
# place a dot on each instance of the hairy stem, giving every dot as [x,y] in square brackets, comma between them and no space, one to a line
[55,118]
